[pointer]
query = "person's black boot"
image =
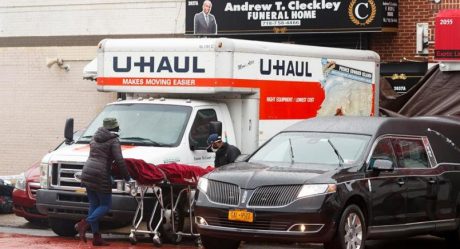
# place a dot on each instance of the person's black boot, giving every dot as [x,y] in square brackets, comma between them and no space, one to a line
[98,241]
[81,228]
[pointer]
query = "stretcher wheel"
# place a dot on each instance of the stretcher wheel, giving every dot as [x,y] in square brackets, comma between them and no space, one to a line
[156,240]
[132,239]
[174,238]
[198,242]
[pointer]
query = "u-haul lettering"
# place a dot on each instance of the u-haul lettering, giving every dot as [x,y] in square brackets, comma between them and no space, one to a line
[277,67]
[159,65]
[284,68]
[152,64]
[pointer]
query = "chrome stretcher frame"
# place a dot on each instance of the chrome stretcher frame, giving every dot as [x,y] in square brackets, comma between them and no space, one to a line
[139,191]
[187,192]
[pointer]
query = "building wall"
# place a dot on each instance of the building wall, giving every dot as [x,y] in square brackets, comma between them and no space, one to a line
[90,17]
[36,100]
[394,47]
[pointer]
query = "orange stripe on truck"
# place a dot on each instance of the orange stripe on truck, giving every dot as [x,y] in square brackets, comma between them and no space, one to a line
[278,99]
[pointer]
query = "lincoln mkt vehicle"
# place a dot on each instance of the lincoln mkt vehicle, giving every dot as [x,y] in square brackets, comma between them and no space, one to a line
[338,181]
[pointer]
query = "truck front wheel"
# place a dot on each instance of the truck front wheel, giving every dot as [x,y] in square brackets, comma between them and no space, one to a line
[64,228]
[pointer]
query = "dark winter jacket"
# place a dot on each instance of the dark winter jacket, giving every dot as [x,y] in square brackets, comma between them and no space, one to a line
[226,154]
[104,149]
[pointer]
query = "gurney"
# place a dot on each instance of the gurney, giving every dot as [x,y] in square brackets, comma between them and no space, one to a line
[172,186]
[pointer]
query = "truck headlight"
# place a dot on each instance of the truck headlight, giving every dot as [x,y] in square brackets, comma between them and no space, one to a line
[44,175]
[316,189]
[203,184]
[21,182]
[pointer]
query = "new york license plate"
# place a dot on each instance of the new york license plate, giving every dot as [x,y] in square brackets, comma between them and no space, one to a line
[241,215]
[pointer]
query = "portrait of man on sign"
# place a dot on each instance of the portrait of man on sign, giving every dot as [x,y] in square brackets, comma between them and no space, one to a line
[204,22]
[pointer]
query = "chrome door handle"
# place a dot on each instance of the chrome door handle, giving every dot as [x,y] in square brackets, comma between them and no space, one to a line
[432,181]
[401,182]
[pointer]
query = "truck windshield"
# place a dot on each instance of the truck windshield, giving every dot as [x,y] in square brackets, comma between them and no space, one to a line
[144,124]
[312,148]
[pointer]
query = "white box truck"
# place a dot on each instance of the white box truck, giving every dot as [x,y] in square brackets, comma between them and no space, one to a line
[175,87]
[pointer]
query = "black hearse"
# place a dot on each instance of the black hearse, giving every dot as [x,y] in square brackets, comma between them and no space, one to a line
[338,181]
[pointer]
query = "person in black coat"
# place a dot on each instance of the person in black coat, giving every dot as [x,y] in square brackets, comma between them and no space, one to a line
[225,153]
[96,177]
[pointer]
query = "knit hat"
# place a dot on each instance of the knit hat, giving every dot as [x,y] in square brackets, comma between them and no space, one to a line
[213,138]
[110,123]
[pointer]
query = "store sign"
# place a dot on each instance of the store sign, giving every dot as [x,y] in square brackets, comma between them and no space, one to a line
[447,35]
[291,16]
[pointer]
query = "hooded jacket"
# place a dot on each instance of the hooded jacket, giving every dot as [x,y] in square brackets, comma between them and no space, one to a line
[226,154]
[104,149]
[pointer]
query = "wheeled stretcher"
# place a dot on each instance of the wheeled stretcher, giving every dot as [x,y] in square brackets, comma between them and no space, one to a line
[171,187]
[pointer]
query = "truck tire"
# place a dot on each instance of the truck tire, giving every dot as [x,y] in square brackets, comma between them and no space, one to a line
[38,221]
[64,228]
[219,243]
[351,230]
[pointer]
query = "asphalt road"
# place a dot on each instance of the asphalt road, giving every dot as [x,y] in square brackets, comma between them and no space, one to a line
[15,232]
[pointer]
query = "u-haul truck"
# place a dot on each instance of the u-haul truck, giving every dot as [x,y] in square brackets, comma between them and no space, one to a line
[175,87]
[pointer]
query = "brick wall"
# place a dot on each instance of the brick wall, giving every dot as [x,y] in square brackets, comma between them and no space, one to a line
[395,46]
[36,100]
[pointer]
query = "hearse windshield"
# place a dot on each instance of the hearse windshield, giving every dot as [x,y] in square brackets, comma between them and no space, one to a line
[312,148]
[144,124]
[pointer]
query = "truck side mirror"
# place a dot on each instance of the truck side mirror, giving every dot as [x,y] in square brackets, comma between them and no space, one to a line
[193,144]
[215,127]
[68,131]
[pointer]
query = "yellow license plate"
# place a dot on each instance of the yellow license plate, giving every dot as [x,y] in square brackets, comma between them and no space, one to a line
[80,190]
[241,215]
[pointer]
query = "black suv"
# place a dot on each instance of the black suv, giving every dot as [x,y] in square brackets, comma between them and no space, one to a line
[338,181]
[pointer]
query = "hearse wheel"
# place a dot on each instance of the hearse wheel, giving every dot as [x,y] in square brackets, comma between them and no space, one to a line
[453,238]
[351,231]
[218,243]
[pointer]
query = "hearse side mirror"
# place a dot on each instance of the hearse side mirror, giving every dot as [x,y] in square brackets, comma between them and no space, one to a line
[382,165]
[215,127]
[68,131]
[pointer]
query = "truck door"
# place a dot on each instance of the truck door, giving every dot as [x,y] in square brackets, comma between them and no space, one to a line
[198,137]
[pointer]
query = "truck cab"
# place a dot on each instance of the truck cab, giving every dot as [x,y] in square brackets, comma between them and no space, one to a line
[155,130]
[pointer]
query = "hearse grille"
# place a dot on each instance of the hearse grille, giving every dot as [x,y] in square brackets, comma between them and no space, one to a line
[224,193]
[63,174]
[258,224]
[272,196]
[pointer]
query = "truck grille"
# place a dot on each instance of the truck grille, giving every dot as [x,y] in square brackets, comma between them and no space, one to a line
[224,193]
[270,196]
[63,174]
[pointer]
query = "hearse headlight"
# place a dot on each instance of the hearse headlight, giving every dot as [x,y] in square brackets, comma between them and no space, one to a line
[203,184]
[316,189]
